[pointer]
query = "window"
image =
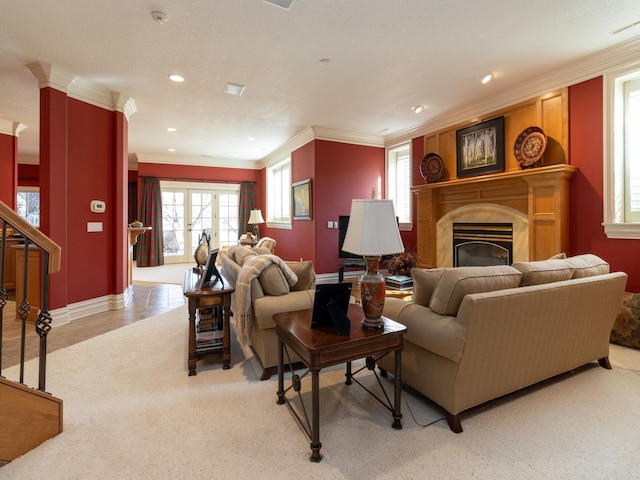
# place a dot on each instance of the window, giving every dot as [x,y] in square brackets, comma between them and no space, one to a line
[399,183]
[279,194]
[28,204]
[622,153]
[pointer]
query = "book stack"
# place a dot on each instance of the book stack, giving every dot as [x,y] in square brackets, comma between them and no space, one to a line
[399,282]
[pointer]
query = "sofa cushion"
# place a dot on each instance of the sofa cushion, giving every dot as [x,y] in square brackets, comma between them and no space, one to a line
[544,271]
[455,283]
[424,281]
[273,281]
[306,275]
[588,265]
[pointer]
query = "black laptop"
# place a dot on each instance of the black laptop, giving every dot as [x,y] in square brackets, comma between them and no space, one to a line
[325,292]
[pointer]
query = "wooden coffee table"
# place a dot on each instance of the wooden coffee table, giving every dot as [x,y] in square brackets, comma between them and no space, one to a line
[323,347]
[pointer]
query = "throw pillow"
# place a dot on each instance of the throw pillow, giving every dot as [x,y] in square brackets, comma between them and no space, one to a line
[588,265]
[424,281]
[544,271]
[273,281]
[455,283]
[305,273]
[558,256]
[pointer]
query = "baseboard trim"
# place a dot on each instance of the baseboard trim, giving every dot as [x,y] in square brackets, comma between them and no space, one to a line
[93,306]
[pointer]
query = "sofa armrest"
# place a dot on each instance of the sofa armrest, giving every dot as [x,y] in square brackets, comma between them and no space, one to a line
[440,334]
[264,308]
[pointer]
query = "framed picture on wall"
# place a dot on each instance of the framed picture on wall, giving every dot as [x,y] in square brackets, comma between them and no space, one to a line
[480,148]
[301,192]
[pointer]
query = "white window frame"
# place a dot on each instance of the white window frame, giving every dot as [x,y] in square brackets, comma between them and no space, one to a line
[614,173]
[279,190]
[25,189]
[396,191]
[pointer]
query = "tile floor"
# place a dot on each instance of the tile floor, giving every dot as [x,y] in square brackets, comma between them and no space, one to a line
[148,299]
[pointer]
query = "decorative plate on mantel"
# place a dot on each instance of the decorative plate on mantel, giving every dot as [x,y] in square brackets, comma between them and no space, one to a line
[530,146]
[432,167]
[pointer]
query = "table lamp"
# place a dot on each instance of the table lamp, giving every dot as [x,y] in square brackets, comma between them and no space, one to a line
[372,232]
[255,219]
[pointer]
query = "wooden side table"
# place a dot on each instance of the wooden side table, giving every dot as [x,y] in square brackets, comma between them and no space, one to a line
[217,297]
[323,347]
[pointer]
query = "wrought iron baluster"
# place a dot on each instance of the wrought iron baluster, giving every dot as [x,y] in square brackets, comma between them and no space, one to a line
[43,323]
[24,309]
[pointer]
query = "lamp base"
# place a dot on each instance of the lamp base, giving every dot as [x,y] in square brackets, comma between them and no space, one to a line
[372,293]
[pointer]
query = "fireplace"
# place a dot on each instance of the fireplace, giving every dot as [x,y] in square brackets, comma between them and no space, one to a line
[535,200]
[482,244]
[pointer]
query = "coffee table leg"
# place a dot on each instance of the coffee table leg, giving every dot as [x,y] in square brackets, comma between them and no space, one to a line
[397,416]
[315,421]
[280,372]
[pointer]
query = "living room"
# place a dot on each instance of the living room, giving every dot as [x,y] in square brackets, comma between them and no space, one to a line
[85,147]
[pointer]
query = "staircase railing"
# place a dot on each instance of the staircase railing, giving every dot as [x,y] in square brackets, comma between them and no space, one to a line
[50,263]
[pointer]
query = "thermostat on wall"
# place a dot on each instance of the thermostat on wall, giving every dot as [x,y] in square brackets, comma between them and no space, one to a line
[98,206]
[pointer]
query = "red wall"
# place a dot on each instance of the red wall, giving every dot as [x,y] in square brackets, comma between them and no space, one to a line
[586,192]
[91,170]
[28,175]
[8,162]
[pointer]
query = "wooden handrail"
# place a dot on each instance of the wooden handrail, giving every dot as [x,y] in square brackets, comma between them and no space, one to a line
[34,235]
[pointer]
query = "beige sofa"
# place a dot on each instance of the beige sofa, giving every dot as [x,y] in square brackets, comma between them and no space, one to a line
[270,293]
[477,333]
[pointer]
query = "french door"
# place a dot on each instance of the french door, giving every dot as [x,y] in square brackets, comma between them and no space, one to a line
[187,212]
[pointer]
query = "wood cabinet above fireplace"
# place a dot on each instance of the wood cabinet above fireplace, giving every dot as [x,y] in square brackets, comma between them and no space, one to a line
[540,193]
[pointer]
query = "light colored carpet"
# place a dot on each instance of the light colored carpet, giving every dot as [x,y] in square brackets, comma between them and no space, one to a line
[168,273]
[132,412]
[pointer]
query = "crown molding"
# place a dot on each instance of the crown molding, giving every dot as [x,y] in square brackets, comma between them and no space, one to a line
[323,133]
[124,104]
[292,144]
[51,76]
[7,127]
[572,73]
[193,161]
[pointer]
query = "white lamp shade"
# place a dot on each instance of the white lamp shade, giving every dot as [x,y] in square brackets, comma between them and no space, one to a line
[255,217]
[373,229]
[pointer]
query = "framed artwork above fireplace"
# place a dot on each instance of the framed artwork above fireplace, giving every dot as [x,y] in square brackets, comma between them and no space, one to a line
[480,148]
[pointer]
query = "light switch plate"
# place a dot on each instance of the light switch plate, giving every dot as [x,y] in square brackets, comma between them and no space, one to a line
[94,226]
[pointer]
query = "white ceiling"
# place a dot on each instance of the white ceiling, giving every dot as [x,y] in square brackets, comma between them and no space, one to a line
[385,56]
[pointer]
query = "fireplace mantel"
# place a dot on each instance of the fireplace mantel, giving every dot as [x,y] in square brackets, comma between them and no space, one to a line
[541,193]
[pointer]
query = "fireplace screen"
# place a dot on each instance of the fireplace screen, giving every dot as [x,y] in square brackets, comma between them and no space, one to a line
[482,244]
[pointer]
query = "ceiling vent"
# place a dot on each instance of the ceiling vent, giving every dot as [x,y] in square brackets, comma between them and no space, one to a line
[280,3]
[234,89]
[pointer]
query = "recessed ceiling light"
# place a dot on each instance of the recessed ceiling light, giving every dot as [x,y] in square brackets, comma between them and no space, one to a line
[234,89]
[172,149]
[171,129]
[176,78]
[159,17]
[417,108]
[486,78]
[324,62]
[280,3]
[251,139]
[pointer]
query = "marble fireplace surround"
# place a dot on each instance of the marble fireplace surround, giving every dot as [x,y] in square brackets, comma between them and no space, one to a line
[482,213]
[535,200]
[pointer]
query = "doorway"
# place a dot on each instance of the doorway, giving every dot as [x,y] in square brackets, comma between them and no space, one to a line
[188,211]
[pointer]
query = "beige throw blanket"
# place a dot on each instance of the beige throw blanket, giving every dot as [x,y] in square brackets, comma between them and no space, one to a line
[252,268]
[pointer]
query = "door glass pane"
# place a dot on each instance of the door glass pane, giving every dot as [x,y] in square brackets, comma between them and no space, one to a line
[227,219]
[201,216]
[173,212]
